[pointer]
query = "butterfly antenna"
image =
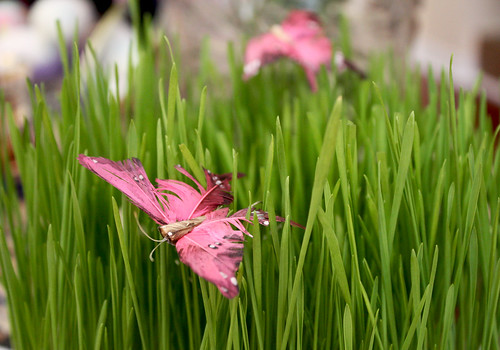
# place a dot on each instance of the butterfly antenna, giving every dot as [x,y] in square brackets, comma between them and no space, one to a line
[252,209]
[159,243]
[144,232]
[252,206]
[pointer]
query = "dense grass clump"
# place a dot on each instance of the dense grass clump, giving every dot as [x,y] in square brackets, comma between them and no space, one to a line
[400,203]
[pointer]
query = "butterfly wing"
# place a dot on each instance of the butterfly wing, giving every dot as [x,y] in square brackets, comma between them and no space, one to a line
[262,50]
[311,48]
[214,250]
[130,178]
[187,203]
[302,24]
[218,189]
[312,53]
[181,198]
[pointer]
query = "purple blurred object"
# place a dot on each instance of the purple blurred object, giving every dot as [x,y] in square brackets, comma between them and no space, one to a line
[29,39]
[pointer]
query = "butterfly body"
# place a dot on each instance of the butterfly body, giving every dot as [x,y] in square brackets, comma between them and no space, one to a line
[174,231]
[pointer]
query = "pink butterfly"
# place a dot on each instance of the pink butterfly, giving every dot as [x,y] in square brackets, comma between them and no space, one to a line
[208,240]
[299,37]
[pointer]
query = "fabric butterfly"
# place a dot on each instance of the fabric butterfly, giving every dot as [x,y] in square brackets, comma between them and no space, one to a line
[207,240]
[299,37]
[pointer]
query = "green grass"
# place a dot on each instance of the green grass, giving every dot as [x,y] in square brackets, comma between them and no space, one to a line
[401,203]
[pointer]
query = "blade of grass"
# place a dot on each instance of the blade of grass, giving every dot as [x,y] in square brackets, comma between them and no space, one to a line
[404,164]
[128,271]
[322,170]
[348,329]
[101,326]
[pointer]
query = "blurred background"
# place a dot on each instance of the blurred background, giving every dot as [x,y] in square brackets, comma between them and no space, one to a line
[419,33]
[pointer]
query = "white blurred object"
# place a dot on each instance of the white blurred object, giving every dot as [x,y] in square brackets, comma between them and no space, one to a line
[12,13]
[378,25]
[24,52]
[458,28]
[114,44]
[72,14]
[24,46]
[29,46]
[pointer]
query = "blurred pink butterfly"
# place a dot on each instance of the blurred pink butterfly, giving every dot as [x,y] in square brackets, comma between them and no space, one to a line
[301,38]
[208,240]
